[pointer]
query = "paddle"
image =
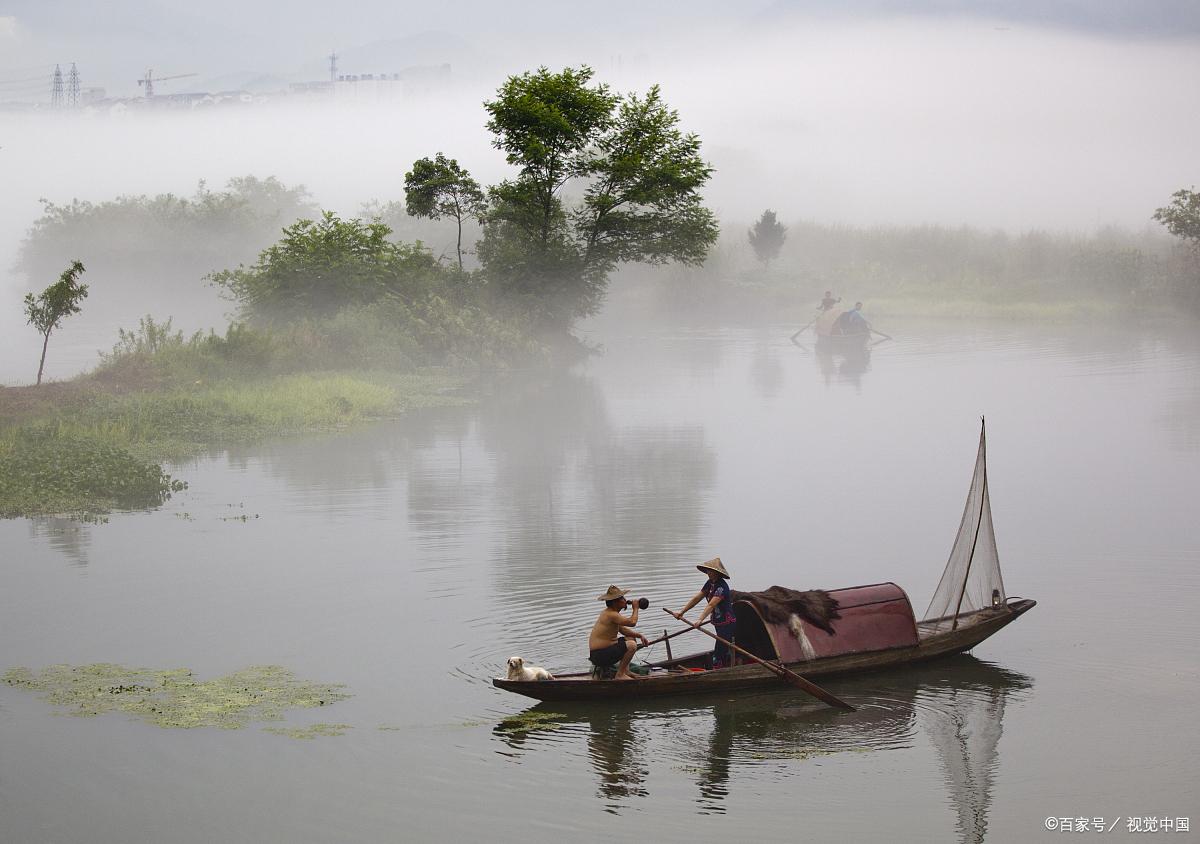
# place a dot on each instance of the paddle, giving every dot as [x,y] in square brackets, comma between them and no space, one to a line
[668,636]
[881,334]
[797,334]
[791,676]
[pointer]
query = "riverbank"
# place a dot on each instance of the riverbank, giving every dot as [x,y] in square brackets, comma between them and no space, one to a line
[85,447]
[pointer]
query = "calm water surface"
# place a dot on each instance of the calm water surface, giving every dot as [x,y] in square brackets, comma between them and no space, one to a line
[408,560]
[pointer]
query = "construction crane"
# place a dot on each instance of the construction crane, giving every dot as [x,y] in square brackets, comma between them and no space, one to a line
[148,80]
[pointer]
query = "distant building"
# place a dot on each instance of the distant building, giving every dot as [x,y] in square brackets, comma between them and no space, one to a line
[368,88]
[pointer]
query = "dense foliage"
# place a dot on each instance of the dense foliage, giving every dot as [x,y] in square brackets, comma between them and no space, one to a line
[44,471]
[343,291]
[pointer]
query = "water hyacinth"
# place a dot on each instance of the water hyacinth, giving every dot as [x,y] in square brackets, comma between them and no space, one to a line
[43,471]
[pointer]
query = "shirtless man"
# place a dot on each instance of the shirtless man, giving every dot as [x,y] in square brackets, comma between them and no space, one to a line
[607,647]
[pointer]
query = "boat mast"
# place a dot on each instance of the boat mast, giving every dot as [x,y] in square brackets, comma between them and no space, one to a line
[983,503]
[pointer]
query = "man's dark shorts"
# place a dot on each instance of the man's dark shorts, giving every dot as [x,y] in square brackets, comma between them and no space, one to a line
[610,656]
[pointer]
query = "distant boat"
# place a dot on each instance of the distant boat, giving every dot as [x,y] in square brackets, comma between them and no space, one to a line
[831,335]
[874,628]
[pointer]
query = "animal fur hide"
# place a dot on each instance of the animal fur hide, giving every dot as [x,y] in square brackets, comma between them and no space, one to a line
[777,605]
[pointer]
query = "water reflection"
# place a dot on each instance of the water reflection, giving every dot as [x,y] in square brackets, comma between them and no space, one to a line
[846,364]
[840,362]
[69,537]
[958,704]
[585,502]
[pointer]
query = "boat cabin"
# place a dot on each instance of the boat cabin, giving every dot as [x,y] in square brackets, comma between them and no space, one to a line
[872,618]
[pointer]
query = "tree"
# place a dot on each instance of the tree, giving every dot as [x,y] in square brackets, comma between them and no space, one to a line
[1182,219]
[440,188]
[638,173]
[1182,216]
[767,237]
[322,266]
[57,302]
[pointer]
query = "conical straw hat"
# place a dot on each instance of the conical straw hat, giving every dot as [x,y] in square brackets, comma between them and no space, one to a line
[613,593]
[716,565]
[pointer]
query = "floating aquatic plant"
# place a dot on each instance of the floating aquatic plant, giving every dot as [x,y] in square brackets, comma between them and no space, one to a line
[45,471]
[528,720]
[175,698]
[310,732]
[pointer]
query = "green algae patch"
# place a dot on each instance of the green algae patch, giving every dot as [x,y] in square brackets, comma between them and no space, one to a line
[175,698]
[310,732]
[524,722]
[45,472]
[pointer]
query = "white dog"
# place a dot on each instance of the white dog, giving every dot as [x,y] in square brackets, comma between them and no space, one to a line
[518,670]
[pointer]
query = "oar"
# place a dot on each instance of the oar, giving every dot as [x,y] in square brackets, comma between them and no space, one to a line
[791,676]
[881,334]
[797,334]
[668,636]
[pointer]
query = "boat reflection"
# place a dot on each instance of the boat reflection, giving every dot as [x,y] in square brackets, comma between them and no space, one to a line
[957,703]
[841,361]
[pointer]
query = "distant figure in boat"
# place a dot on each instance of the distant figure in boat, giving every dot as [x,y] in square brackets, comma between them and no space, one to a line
[852,321]
[607,647]
[828,302]
[720,607]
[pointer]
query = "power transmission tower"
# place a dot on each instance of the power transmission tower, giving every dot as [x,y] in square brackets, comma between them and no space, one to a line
[56,88]
[333,67]
[73,87]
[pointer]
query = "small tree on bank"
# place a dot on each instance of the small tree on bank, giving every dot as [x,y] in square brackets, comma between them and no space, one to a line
[57,302]
[1182,219]
[1182,216]
[439,188]
[767,237]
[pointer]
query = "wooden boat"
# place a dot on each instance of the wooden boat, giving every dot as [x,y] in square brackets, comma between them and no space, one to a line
[830,335]
[876,628]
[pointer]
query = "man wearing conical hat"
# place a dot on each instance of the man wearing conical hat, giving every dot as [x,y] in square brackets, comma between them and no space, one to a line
[608,647]
[719,606]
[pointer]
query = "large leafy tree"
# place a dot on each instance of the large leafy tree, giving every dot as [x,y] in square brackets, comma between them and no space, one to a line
[634,176]
[46,311]
[438,188]
[322,266]
[767,237]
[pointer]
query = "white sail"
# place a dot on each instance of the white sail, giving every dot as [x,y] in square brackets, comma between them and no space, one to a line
[971,580]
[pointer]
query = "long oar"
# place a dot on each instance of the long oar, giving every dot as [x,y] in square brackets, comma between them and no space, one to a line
[797,334]
[881,334]
[669,636]
[791,676]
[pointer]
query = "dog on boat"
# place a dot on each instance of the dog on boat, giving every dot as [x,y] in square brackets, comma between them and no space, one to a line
[518,670]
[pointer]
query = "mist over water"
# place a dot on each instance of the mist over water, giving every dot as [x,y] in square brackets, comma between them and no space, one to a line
[949,121]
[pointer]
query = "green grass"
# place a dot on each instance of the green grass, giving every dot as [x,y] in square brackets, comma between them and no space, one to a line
[89,458]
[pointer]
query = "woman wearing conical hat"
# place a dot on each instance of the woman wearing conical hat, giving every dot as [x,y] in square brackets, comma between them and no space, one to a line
[720,607]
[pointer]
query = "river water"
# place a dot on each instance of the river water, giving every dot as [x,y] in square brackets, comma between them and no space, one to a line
[408,560]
